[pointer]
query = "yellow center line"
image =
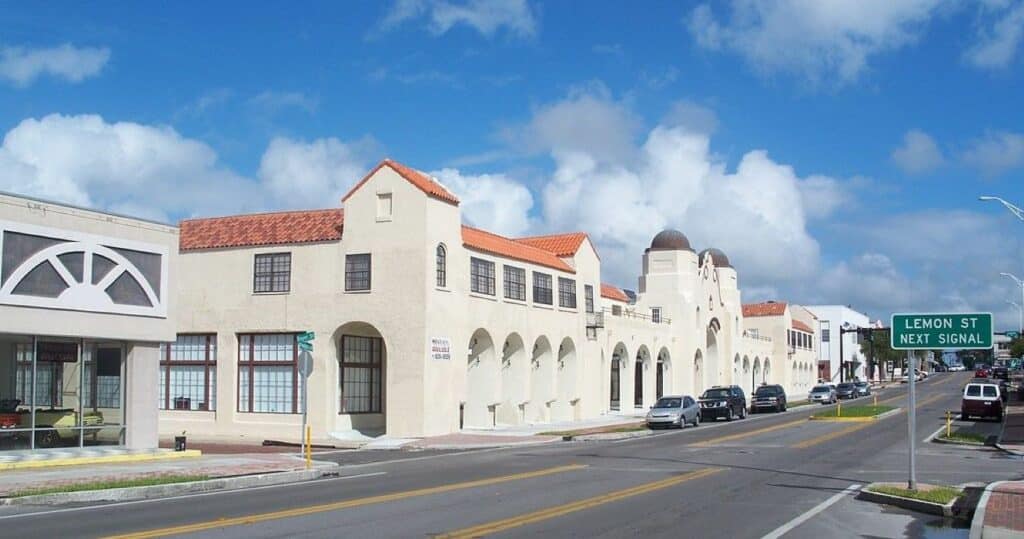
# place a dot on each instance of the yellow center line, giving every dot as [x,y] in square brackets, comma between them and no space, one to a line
[347,504]
[720,439]
[853,428]
[561,510]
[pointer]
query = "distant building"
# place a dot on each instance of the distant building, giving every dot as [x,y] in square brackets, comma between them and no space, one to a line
[1001,346]
[832,319]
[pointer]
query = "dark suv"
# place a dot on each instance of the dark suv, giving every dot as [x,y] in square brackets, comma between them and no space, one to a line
[770,397]
[723,401]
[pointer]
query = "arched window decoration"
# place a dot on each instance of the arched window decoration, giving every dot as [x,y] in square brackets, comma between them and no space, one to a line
[442,265]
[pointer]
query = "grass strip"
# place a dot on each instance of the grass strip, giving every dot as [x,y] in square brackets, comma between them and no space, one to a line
[934,494]
[965,437]
[631,427]
[855,411]
[109,484]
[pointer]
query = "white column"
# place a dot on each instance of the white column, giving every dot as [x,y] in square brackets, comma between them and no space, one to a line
[141,415]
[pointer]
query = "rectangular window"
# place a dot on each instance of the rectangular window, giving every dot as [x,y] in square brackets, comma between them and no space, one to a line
[357,272]
[360,374]
[542,288]
[588,297]
[825,334]
[268,373]
[656,315]
[188,373]
[481,275]
[566,293]
[384,206]
[272,273]
[515,283]
[49,378]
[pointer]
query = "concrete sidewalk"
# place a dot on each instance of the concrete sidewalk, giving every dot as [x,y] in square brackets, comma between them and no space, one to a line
[210,466]
[1012,437]
[1000,512]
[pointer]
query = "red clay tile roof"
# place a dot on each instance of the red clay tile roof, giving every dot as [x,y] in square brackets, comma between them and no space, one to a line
[802,326]
[770,308]
[481,240]
[420,180]
[559,244]
[261,229]
[613,292]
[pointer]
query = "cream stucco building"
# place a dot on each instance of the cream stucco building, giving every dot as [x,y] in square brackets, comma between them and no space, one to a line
[425,325]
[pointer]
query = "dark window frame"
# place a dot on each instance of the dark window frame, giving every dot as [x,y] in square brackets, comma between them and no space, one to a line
[511,286]
[251,364]
[481,282]
[566,293]
[354,277]
[209,366]
[441,263]
[588,297]
[271,275]
[376,368]
[656,315]
[541,294]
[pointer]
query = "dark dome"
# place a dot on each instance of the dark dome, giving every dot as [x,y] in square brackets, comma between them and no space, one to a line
[670,240]
[717,256]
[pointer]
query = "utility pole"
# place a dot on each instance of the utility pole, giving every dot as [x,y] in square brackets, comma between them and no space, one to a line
[912,416]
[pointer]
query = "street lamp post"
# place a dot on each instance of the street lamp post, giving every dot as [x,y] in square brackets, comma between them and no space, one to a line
[843,330]
[1020,283]
[1016,211]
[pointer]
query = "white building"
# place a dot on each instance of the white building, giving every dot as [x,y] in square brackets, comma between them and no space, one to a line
[85,301]
[833,318]
[425,325]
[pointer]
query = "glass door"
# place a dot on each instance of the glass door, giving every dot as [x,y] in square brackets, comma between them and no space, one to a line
[103,375]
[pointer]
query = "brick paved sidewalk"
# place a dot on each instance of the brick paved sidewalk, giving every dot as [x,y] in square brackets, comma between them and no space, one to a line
[1004,511]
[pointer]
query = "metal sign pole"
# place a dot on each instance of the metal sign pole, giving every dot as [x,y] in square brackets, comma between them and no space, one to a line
[302,433]
[911,416]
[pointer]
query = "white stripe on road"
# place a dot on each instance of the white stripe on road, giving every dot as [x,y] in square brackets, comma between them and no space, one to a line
[787,527]
[183,496]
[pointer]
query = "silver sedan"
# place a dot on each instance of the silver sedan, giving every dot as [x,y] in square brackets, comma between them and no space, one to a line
[674,411]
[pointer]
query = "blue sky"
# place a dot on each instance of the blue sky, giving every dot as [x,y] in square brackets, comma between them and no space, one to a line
[834,150]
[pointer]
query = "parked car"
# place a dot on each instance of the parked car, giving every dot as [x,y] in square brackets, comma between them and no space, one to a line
[674,411]
[824,394]
[723,401]
[846,390]
[60,424]
[1000,372]
[771,397]
[982,400]
[9,417]
[863,388]
[981,371]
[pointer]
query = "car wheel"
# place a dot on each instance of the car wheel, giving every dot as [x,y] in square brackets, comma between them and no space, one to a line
[731,415]
[743,412]
[47,439]
[696,421]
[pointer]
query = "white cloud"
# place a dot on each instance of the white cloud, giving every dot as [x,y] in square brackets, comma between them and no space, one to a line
[490,201]
[484,16]
[999,36]
[996,152]
[588,121]
[817,40]
[313,174]
[274,101]
[822,196]
[155,172]
[692,116]
[918,154]
[22,66]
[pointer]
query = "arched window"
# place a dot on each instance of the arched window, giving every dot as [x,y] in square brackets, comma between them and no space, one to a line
[442,265]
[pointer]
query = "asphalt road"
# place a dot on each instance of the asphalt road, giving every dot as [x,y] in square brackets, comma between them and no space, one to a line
[767,474]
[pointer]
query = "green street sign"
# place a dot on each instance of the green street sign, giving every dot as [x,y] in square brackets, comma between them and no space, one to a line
[306,340]
[1013,334]
[931,331]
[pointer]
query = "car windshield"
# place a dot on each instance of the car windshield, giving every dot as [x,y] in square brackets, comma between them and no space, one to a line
[990,391]
[861,384]
[845,386]
[821,389]
[669,402]
[973,391]
[766,392]
[715,394]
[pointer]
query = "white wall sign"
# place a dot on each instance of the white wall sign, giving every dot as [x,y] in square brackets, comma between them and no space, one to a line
[441,348]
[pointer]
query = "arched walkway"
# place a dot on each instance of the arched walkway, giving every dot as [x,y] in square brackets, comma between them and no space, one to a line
[542,387]
[482,380]
[736,380]
[698,374]
[362,375]
[712,368]
[748,380]
[767,367]
[515,381]
[640,389]
[566,407]
[757,372]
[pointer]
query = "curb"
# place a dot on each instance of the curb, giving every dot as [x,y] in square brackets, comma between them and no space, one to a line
[104,459]
[920,506]
[484,445]
[608,436]
[1010,451]
[172,489]
[978,523]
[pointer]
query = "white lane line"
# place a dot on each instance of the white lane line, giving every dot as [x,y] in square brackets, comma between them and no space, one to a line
[182,496]
[787,527]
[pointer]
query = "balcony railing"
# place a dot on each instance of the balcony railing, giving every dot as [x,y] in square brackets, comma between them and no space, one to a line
[756,337]
[595,320]
[628,313]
